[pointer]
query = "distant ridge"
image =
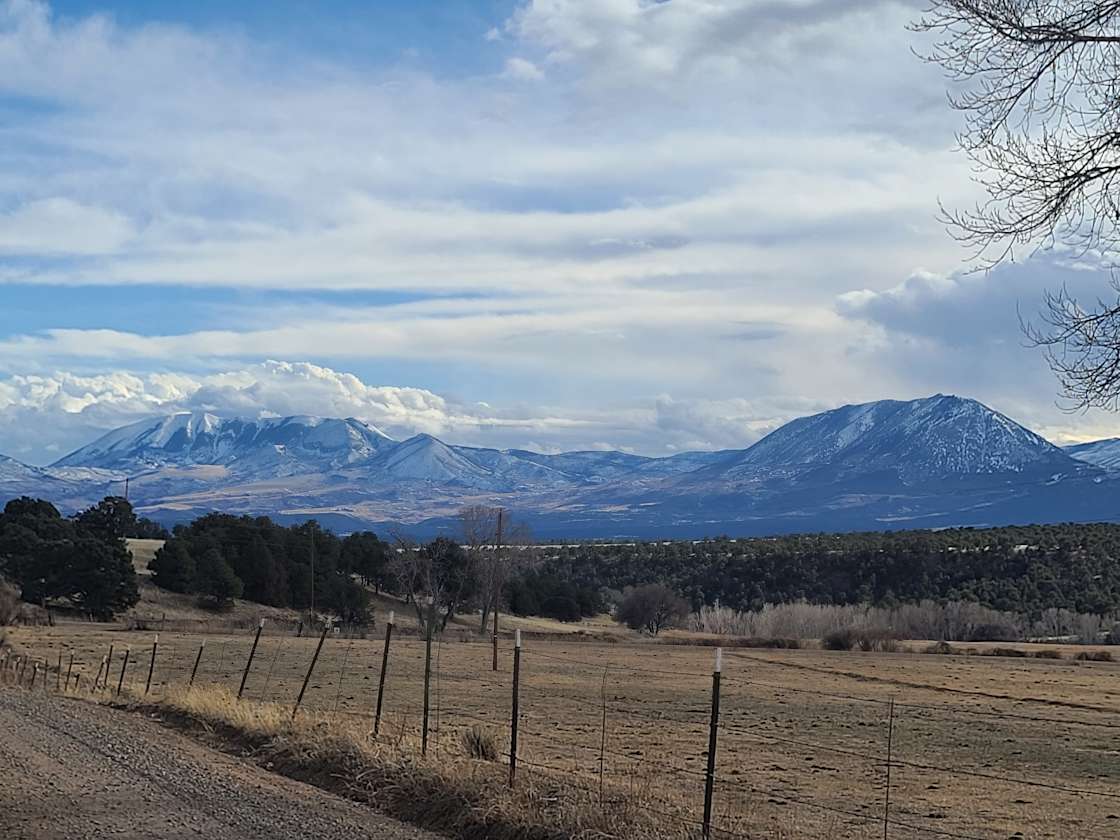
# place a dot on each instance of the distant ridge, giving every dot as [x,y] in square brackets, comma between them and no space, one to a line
[931,462]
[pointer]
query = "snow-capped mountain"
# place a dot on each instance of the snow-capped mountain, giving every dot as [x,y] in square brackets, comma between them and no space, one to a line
[932,462]
[267,447]
[1100,453]
[934,438]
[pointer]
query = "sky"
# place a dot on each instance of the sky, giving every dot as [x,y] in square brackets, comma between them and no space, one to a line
[557,224]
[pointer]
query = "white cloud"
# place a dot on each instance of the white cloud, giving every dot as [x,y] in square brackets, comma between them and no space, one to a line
[523,69]
[60,226]
[44,415]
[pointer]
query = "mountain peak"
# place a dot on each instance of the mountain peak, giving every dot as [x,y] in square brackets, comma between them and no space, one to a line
[931,437]
[199,438]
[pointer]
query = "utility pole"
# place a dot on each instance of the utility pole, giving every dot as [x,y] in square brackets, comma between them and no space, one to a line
[126,488]
[311,613]
[496,594]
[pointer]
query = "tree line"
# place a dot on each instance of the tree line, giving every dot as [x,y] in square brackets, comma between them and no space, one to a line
[1023,569]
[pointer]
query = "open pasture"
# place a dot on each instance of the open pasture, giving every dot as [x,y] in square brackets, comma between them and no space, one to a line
[981,747]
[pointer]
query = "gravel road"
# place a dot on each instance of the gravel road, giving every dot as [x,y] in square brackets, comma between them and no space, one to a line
[70,769]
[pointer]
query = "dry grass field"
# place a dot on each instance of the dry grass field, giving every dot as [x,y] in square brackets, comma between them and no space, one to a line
[982,747]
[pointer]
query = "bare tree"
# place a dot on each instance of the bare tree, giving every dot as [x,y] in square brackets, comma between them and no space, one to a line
[439,570]
[488,533]
[1038,82]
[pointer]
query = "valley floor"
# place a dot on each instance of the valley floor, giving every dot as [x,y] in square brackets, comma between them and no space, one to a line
[981,747]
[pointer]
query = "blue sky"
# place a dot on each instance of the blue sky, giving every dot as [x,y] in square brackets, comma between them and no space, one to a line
[551,224]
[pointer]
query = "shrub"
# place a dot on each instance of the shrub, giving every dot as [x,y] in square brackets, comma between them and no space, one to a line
[941,649]
[479,743]
[651,608]
[839,640]
[864,638]
[1002,651]
[1094,656]
[1049,653]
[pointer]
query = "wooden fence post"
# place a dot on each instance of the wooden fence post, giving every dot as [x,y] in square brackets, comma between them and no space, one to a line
[307,679]
[384,669]
[249,663]
[516,712]
[58,674]
[713,734]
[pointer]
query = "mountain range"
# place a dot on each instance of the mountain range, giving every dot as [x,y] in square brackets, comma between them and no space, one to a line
[934,462]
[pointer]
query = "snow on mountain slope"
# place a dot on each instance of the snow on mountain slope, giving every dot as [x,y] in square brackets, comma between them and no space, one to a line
[13,470]
[937,461]
[1100,453]
[425,458]
[927,439]
[272,445]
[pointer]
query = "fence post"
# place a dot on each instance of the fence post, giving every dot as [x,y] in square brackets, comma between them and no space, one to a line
[197,659]
[69,671]
[108,665]
[427,671]
[120,682]
[58,674]
[152,664]
[494,643]
[384,668]
[34,674]
[249,663]
[887,791]
[307,679]
[516,712]
[603,736]
[97,679]
[713,733]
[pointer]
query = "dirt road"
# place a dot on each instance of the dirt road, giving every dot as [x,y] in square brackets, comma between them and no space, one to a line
[70,769]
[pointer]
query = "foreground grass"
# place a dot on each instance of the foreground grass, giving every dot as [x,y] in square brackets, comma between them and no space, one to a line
[454,794]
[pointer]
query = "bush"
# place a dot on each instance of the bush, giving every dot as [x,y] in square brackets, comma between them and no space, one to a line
[1002,651]
[651,608]
[941,649]
[1094,656]
[839,640]
[480,743]
[1049,653]
[864,638]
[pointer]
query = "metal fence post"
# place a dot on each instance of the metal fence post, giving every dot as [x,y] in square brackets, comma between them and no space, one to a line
[713,734]
[428,672]
[384,668]
[58,674]
[311,668]
[516,711]
[152,664]
[124,666]
[887,791]
[69,671]
[249,663]
[197,659]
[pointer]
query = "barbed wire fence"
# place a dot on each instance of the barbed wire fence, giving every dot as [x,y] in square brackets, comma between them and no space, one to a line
[718,759]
